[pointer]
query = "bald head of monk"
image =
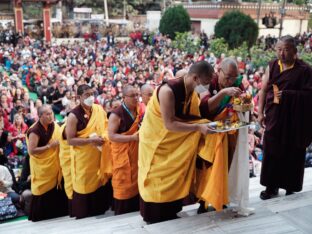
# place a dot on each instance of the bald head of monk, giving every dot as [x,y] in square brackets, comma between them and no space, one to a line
[200,73]
[130,96]
[146,93]
[228,72]
[46,115]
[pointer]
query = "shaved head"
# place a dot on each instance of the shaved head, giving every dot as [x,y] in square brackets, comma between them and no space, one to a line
[228,72]
[43,109]
[146,87]
[228,63]
[127,89]
[146,93]
[201,69]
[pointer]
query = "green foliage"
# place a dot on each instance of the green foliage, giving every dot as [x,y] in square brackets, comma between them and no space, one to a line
[310,22]
[236,28]
[241,51]
[298,2]
[185,42]
[175,19]
[32,11]
[307,57]
[260,57]
[218,46]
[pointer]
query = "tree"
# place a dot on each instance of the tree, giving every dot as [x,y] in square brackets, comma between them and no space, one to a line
[236,28]
[185,42]
[175,19]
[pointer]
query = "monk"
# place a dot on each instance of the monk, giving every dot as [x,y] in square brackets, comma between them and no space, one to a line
[123,125]
[224,86]
[86,131]
[169,138]
[285,102]
[49,200]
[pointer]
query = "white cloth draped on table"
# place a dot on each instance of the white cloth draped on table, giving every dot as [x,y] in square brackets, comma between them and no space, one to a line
[238,180]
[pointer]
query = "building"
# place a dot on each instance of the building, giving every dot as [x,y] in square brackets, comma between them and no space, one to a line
[204,16]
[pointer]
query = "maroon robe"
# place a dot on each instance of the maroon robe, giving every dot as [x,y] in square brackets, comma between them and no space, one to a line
[288,127]
[98,202]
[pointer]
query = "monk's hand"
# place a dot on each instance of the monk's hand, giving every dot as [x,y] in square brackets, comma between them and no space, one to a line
[261,119]
[205,129]
[135,137]
[53,144]
[232,91]
[97,141]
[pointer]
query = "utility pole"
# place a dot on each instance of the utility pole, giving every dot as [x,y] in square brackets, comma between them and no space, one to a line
[106,13]
[283,13]
[124,9]
[258,11]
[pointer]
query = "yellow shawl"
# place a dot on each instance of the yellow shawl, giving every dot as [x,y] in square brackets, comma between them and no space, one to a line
[45,167]
[65,161]
[211,184]
[166,159]
[90,167]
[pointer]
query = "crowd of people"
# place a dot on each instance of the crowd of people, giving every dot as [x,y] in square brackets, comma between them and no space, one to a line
[38,79]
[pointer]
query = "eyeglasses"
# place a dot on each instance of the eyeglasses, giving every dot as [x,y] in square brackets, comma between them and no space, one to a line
[227,77]
[132,96]
[148,94]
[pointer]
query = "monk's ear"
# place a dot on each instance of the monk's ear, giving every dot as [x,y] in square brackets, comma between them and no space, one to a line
[195,77]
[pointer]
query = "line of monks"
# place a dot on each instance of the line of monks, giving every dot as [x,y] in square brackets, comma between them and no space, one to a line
[137,159]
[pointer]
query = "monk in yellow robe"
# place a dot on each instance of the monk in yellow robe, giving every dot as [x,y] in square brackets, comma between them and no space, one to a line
[49,200]
[123,125]
[212,169]
[86,131]
[169,143]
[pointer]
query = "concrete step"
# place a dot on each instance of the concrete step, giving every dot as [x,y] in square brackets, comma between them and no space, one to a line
[273,214]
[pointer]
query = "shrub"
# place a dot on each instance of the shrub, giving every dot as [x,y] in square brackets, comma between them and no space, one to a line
[175,19]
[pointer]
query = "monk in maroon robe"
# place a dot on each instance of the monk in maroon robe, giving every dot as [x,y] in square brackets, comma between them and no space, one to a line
[285,102]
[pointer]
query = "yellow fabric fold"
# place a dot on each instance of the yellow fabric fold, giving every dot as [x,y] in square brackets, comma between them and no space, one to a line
[211,184]
[65,162]
[45,167]
[166,159]
[89,166]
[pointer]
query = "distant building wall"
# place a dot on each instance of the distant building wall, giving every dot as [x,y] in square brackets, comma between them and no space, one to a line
[295,20]
[153,20]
